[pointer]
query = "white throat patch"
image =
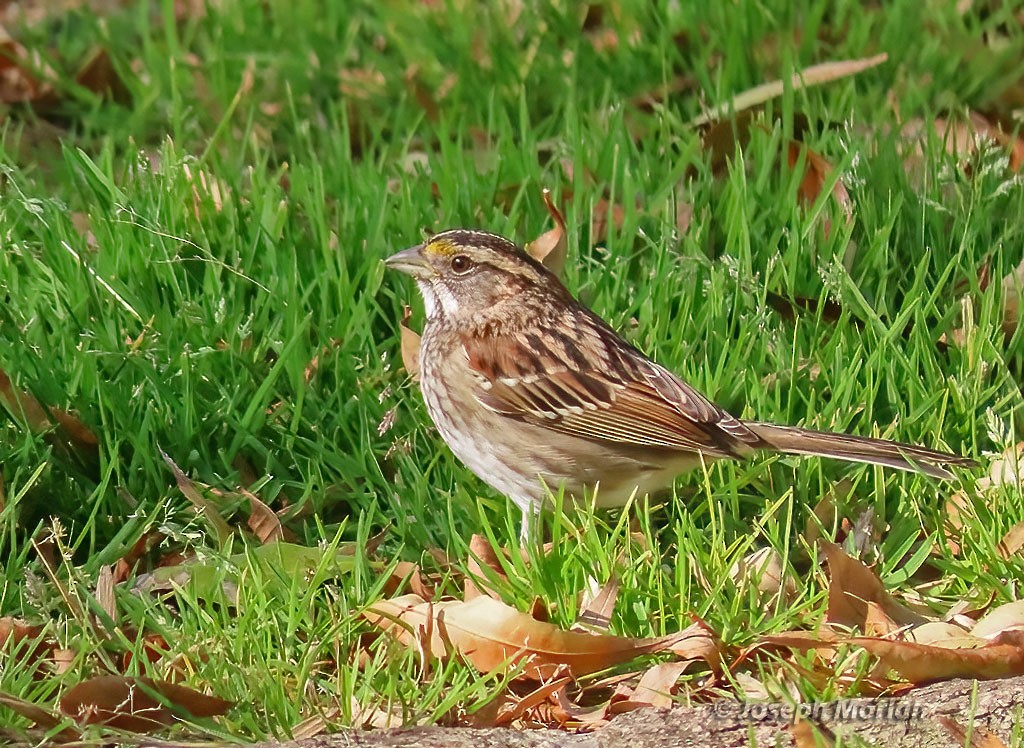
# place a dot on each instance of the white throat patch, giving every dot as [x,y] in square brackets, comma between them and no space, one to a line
[437,297]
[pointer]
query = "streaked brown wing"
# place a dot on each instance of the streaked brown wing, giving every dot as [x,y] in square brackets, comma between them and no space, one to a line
[612,394]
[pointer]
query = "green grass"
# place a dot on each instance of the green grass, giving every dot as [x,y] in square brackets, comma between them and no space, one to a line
[187,324]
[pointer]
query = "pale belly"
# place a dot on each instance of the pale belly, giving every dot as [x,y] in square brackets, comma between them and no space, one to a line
[534,463]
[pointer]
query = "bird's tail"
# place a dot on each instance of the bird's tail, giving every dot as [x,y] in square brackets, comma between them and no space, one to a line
[798,441]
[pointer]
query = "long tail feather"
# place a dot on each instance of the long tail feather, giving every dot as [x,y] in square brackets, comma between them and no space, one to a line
[793,440]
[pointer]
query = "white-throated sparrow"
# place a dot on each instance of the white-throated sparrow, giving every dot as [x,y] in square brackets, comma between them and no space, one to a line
[533,391]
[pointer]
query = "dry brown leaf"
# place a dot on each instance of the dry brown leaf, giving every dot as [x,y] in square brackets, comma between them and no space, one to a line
[942,634]
[189,488]
[99,75]
[20,73]
[70,429]
[14,630]
[697,642]
[510,709]
[1012,541]
[1005,470]
[602,216]
[105,592]
[135,704]
[1012,291]
[41,717]
[979,736]
[570,715]
[958,505]
[960,137]
[550,247]
[374,717]
[658,684]
[264,523]
[408,573]
[598,604]
[812,76]
[764,570]
[1008,617]
[492,635]
[876,622]
[1003,657]
[823,641]
[817,173]
[852,585]
[482,565]
[314,364]
[809,734]
[410,346]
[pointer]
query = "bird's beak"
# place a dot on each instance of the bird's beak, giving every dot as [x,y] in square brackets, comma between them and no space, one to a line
[410,261]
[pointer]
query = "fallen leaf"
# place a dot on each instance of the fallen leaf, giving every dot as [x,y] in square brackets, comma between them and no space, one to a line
[20,76]
[812,76]
[373,716]
[408,573]
[960,137]
[1011,542]
[410,346]
[817,174]
[550,247]
[14,630]
[571,715]
[809,734]
[264,523]
[1008,617]
[105,592]
[509,709]
[598,604]
[941,634]
[876,622]
[314,364]
[603,215]
[978,736]
[41,717]
[189,488]
[492,635]
[852,585]
[658,684]
[99,75]
[483,568]
[135,704]
[1012,288]
[764,570]
[1003,657]
[67,428]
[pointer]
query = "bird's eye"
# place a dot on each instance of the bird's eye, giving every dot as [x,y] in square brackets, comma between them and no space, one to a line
[461,264]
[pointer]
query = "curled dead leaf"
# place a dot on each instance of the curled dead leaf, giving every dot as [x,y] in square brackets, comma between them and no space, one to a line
[483,569]
[817,174]
[765,570]
[811,76]
[550,247]
[264,523]
[852,585]
[410,346]
[492,636]
[192,492]
[1003,657]
[135,704]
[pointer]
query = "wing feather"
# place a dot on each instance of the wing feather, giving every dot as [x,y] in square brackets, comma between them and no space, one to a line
[614,394]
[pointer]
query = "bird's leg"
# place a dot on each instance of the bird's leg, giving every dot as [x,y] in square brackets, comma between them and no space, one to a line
[526,529]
